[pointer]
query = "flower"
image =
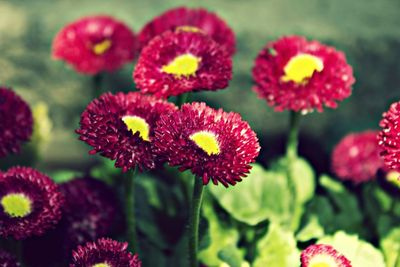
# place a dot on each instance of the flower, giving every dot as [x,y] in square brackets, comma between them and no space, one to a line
[30,203]
[213,144]
[95,44]
[178,62]
[15,122]
[356,157]
[91,211]
[323,255]
[7,260]
[389,137]
[104,253]
[121,127]
[190,19]
[296,74]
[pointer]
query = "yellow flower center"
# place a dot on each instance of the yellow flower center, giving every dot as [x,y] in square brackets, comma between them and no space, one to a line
[183,65]
[188,28]
[101,265]
[16,205]
[323,261]
[302,67]
[102,47]
[207,141]
[137,124]
[393,177]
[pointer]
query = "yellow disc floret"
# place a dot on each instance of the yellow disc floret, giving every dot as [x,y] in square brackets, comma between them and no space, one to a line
[102,47]
[137,124]
[101,265]
[183,65]
[188,28]
[16,205]
[323,261]
[393,177]
[207,141]
[302,67]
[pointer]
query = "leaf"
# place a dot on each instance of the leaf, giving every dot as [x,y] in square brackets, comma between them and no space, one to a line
[390,245]
[313,229]
[262,195]
[64,176]
[359,252]
[277,249]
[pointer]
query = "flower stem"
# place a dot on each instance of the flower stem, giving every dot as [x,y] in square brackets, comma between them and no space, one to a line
[182,99]
[129,185]
[97,81]
[194,220]
[291,156]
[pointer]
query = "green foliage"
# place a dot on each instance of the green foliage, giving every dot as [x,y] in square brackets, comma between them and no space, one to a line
[359,252]
[390,245]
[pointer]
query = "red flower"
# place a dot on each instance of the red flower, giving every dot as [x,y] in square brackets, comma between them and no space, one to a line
[121,127]
[296,74]
[389,137]
[211,143]
[15,122]
[323,255]
[356,157]
[104,253]
[178,62]
[30,203]
[198,19]
[7,260]
[95,44]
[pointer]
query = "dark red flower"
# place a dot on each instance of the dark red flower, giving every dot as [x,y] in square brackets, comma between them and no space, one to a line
[121,127]
[356,157]
[95,44]
[15,122]
[7,260]
[194,19]
[30,203]
[323,255]
[295,74]
[213,144]
[389,137]
[178,62]
[104,253]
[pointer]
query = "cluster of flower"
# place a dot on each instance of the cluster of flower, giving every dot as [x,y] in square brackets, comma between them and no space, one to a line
[183,50]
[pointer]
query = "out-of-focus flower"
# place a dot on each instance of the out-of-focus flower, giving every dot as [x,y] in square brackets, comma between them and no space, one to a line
[190,19]
[7,260]
[42,125]
[95,44]
[323,255]
[15,122]
[295,74]
[178,62]
[121,127]
[356,157]
[30,203]
[389,137]
[213,144]
[104,253]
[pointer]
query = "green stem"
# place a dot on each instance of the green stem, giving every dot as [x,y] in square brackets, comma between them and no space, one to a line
[130,209]
[194,220]
[291,156]
[182,99]
[97,88]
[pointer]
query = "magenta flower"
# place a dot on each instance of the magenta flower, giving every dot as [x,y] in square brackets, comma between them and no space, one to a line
[323,255]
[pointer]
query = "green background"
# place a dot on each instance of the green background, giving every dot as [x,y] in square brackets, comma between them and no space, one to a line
[366,30]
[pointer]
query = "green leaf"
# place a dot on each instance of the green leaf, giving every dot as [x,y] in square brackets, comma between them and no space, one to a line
[220,237]
[313,229]
[262,195]
[390,245]
[64,176]
[359,252]
[277,249]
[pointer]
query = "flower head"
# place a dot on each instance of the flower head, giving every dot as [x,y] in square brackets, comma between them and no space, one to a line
[7,260]
[389,137]
[104,253]
[356,157]
[95,44]
[15,122]
[295,74]
[190,19]
[213,144]
[323,255]
[121,127]
[30,203]
[178,62]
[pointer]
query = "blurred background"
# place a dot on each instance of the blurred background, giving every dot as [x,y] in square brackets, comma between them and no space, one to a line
[366,30]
